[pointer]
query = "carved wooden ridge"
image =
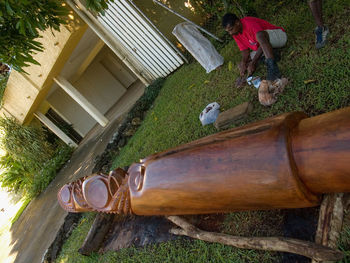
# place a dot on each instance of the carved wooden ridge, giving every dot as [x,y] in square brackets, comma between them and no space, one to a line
[287,161]
[98,192]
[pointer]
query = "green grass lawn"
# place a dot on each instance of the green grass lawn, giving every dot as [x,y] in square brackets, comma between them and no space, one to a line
[173,120]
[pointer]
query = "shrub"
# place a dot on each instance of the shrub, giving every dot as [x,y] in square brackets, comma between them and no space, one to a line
[44,177]
[146,100]
[27,145]
[15,178]
[30,163]
[21,22]
[13,175]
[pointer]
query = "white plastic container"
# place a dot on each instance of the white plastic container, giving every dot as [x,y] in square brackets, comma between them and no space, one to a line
[255,81]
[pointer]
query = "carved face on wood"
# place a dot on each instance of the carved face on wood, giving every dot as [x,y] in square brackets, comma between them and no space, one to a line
[97,192]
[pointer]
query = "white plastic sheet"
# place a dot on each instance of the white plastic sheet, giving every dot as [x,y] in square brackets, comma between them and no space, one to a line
[200,47]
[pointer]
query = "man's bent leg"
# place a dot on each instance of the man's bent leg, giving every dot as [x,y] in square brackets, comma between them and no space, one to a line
[264,41]
[277,37]
[321,30]
[273,72]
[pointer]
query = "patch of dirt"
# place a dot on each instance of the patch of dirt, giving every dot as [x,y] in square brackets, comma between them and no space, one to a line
[301,224]
[254,223]
[210,222]
[137,231]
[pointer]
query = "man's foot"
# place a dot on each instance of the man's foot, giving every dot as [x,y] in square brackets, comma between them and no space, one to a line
[273,71]
[321,36]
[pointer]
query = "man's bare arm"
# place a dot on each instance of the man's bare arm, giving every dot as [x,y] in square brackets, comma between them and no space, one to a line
[253,63]
[243,64]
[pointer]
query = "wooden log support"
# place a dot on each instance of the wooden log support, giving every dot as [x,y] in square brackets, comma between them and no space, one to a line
[300,247]
[233,115]
[97,233]
[330,221]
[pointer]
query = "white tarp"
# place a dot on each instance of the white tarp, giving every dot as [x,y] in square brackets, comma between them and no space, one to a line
[200,47]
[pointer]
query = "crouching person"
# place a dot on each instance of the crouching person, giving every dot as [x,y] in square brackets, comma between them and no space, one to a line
[261,37]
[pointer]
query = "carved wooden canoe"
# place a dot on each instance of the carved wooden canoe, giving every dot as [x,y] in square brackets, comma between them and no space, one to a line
[286,161]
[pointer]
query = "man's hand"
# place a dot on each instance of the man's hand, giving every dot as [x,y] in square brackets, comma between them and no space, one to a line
[251,68]
[242,66]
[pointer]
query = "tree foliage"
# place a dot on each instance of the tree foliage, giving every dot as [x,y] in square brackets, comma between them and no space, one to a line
[20,24]
[97,6]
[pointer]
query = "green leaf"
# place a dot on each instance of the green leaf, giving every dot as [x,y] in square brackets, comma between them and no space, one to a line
[22,29]
[29,26]
[9,9]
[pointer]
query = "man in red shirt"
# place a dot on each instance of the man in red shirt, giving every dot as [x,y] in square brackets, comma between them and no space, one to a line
[261,37]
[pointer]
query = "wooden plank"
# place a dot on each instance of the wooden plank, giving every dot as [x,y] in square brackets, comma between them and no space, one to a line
[233,115]
[330,221]
[97,233]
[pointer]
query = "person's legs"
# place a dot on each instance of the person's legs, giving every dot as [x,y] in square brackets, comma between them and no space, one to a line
[264,41]
[277,38]
[273,72]
[316,10]
[321,30]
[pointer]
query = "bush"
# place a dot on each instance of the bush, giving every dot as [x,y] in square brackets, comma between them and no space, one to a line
[21,22]
[17,179]
[13,176]
[44,177]
[146,100]
[27,145]
[30,163]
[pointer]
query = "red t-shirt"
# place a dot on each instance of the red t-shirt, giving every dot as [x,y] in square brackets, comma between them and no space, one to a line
[251,26]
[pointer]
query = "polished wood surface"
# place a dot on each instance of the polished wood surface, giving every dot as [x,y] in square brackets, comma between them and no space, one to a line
[240,169]
[321,147]
[286,161]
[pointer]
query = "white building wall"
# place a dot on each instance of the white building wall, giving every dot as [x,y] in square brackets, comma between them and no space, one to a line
[102,86]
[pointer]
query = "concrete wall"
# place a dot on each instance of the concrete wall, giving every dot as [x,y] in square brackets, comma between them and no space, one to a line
[25,92]
[103,83]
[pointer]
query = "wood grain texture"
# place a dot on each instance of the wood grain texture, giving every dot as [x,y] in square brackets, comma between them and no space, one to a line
[321,147]
[231,116]
[240,169]
[286,161]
